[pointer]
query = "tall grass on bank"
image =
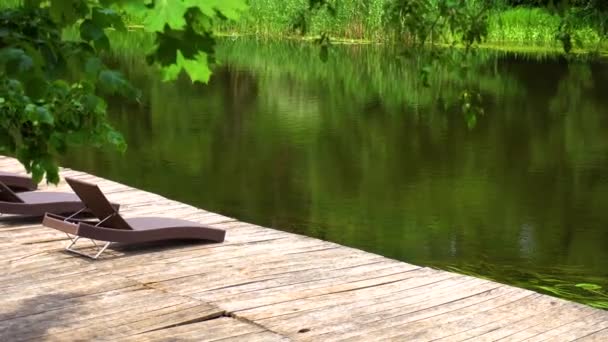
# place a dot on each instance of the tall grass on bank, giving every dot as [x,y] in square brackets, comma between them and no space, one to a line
[523,26]
[537,27]
[355,19]
[366,20]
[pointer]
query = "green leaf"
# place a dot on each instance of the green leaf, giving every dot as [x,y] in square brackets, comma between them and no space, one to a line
[51,168]
[35,86]
[90,30]
[166,12]
[112,81]
[90,102]
[67,12]
[197,68]
[37,172]
[15,61]
[171,72]
[57,142]
[102,44]
[106,17]
[45,116]
[189,42]
[93,66]
[34,53]
[231,9]
[7,143]
[117,140]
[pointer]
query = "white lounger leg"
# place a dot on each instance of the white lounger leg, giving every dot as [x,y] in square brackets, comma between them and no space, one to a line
[73,240]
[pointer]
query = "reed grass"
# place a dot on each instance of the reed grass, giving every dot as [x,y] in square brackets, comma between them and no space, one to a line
[536,27]
[355,19]
[365,20]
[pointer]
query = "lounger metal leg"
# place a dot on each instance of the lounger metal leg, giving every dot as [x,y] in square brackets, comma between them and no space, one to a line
[75,239]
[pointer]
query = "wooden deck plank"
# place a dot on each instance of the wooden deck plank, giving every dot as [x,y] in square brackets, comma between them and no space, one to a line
[225,329]
[448,304]
[598,336]
[261,284]
[530,326]
[579,328]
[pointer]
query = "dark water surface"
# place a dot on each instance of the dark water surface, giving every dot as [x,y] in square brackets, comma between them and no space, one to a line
[358,152]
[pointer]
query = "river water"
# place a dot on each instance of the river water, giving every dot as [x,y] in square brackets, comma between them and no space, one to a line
[358,151]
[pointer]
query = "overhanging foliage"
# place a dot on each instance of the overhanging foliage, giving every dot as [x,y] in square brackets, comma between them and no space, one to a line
[52,90]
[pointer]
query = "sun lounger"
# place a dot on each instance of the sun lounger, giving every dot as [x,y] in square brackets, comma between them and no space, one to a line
[17,182]
[112,227]
[37,203]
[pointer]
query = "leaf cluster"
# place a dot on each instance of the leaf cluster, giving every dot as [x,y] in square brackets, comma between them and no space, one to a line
[43,109]
[422,22]
[184,33]
[52,90]
[578,14]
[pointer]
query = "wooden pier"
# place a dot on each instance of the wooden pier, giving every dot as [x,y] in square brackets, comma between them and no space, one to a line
[261,284]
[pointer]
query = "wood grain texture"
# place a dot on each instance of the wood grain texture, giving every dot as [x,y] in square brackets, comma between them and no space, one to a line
[261,284]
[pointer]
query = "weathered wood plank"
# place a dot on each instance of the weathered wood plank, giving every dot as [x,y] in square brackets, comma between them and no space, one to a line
[598,336]
[225,329]
[529,326]
[574,330]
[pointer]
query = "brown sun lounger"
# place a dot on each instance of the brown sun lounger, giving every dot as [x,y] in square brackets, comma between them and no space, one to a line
[17,182]
[112,227]
[37,203]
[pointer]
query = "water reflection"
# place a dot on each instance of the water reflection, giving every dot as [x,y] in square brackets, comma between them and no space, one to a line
[358,152]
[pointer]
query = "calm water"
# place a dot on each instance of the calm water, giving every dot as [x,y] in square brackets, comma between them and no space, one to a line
[358,152]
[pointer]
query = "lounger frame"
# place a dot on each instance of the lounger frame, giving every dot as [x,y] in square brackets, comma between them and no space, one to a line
[71,227]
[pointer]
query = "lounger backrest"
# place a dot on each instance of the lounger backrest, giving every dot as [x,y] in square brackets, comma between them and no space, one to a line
[96,201]
[7,195]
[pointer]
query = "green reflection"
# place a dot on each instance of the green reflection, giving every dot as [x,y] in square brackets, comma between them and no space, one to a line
[358,152]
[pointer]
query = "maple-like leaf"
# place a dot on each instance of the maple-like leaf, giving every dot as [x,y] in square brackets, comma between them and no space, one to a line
[231,9]
[197,68]
[166,12]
